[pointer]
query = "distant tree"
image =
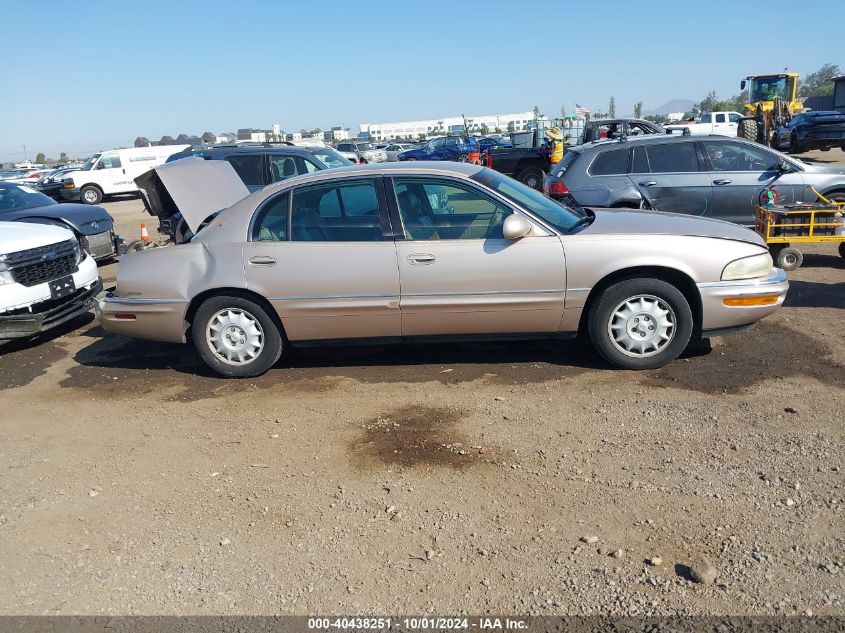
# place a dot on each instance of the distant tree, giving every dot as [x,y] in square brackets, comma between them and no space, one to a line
[537,114]
[63,157]
[498,130]
[611,108]
[41,159]
[638,110]
[657,118]
[819,83]
[511,127]
[484,129]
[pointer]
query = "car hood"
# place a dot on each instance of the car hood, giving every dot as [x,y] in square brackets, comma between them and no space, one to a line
[16,237]
[824,169]
[634,222]
[194,187]
[415,153]
[83,218]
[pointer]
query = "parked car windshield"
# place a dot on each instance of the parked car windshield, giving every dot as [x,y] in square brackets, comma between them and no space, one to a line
[329,157]
[554,213]
[90,162]
[16,197]
[363,147]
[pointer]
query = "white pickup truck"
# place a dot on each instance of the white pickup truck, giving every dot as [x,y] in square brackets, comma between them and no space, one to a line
[724,123]
[45,278]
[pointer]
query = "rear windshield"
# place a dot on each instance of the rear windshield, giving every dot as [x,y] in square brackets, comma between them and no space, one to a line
[567,161]
[556,214]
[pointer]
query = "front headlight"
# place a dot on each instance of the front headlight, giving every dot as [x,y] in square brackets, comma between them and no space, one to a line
[77,249]
[748,267]
[5,274]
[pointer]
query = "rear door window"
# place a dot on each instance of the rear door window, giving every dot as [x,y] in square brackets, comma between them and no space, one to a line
[250,168]
[336,212]
[672,158]
[613,162]
[640,162]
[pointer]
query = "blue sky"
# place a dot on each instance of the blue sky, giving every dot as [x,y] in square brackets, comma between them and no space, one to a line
[81,76]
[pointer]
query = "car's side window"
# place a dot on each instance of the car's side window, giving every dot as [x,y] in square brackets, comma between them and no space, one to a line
[249,168]
[438,142]
[739,157]
[271,224]
[640,162]
[734,118]
[109,162]
[336,212]
[444,210]
[610,163]
[720,118]
[671,158]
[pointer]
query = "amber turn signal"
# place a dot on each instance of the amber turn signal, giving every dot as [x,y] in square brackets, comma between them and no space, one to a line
[759,300]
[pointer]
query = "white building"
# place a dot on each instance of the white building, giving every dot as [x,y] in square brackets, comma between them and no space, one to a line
[336,134]
[446,125]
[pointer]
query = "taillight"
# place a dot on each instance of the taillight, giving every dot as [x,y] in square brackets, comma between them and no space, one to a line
[557,188]
[489,161]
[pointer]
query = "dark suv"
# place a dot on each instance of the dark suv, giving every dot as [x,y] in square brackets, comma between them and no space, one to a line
[262,166]
[713,176]
[258,166]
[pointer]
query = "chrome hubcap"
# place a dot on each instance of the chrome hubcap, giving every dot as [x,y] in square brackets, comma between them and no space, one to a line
[642,326]
[90,196]
[235,336]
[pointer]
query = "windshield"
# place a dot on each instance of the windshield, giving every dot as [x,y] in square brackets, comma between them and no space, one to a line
[554,213]
[363,147]
[17,197]
[767,88]
[330,158]
[90,162]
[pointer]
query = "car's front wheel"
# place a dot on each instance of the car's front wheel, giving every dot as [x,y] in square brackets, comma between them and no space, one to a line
[640,323]
[91,195]
[236,337]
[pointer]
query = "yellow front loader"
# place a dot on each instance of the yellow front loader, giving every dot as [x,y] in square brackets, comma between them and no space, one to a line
[772,102]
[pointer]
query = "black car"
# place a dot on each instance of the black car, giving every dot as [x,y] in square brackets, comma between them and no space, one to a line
[821,129]
[92,225]
[51,184]
[258,166]
[712,176]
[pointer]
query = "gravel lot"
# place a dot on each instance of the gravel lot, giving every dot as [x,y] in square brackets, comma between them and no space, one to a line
[510,478]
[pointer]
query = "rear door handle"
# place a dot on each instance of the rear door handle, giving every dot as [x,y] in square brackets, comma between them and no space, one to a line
[420,259]
[721,182]
[262,260]
[648,183]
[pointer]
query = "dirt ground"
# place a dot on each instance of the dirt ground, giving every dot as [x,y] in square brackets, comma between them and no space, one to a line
[523,478]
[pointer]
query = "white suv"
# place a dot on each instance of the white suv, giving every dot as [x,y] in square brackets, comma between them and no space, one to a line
[45,278]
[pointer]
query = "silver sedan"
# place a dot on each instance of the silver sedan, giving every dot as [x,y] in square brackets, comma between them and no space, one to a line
[439,251]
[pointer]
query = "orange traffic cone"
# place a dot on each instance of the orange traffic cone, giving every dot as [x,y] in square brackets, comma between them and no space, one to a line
[145,237]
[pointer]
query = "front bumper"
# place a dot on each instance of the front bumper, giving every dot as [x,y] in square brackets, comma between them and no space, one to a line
[717,316]
[153,319]
[48,314]
[70,194]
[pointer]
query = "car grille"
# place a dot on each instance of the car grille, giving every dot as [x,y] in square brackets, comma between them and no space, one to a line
[45,263]
[100,245]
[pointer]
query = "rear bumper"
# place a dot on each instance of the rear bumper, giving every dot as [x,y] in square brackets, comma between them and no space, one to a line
[718,316]
[49,314]
[153,319]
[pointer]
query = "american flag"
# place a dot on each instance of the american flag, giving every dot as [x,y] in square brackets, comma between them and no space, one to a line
[581,110]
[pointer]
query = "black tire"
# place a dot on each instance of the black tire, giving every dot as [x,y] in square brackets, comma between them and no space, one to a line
[270,336]
[89,194]
[793,144]
[135,246]
[838,196]
[462,158]
[789,258]
[601,318]
[410,158]
[532,177]
[842,249]
[747,129]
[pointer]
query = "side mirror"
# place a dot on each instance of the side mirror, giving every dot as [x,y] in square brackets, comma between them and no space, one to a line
[515,227]
[742,85]
[784,167]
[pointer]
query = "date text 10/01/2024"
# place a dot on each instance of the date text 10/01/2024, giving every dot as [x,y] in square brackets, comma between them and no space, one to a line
[414,623]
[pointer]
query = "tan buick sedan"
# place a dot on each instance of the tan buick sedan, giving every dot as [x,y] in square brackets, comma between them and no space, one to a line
[402,251]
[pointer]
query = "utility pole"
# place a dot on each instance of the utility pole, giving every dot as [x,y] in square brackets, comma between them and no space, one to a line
[25,157]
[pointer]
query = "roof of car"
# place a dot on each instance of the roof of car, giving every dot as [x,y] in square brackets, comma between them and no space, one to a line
[282,149]
[648,139]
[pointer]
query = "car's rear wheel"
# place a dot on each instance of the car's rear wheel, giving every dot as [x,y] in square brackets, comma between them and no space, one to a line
[793,144]
[410,158]
[91,195]
[236,337]
[462,158]
[640,323]
[532,177]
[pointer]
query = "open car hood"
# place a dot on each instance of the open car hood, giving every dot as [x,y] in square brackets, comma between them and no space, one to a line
[193,186]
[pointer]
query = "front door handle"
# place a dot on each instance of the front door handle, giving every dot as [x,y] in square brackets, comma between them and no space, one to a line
[262,260]
[420,259]
[648,183]
[721,182]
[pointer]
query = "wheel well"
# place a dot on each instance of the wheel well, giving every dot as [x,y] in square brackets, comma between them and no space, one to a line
[675,277]
[198,300]
[91,184]
[833,192]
